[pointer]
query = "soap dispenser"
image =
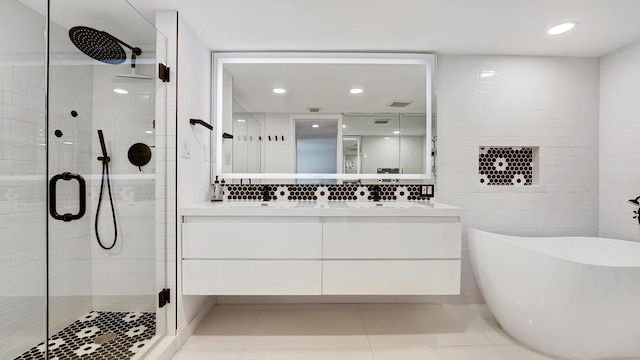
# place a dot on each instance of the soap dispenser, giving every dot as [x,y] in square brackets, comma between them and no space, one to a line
[216,190]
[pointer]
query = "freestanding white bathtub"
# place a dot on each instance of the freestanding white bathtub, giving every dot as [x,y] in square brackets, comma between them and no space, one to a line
[572,297]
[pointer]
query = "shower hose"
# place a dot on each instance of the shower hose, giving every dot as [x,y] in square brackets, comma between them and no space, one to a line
[105,176]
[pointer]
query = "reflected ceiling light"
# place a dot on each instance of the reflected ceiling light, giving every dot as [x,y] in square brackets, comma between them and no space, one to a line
[315,126]
[562,28]
[279,90]
[149,132]
[487,73]
[242,120]
[356,91]
[120,91]
[344,126]
[396,132]
[387,138]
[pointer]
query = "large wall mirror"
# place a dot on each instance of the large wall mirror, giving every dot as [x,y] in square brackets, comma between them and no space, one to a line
[323,117]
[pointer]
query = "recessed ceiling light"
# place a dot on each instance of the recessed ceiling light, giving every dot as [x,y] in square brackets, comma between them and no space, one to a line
[562,28]
[315,126]
[279,90]
[67,142]
[242,120]
[120,91]
[396,132]
[356,91]
[149,132]
[344,126]
[487,73]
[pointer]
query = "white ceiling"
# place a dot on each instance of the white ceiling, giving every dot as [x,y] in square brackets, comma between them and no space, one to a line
[326,86]
[504,27]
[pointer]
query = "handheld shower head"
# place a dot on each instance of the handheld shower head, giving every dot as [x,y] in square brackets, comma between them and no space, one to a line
[104,158]
[635,201]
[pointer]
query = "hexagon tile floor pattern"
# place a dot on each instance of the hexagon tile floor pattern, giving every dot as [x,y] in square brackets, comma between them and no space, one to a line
[132,331]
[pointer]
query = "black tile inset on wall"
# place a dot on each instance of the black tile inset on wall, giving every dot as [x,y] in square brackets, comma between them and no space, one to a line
[505,166]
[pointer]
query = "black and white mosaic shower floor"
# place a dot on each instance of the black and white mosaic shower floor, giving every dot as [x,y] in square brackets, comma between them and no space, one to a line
[92,337]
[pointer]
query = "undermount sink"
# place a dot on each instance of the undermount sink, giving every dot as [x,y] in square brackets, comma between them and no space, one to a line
[262,204]
[327,205]
[389,205]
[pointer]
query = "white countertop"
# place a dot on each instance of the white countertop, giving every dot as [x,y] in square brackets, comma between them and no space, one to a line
[314,208]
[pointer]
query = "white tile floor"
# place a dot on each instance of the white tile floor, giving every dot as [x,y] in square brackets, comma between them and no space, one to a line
[352,332]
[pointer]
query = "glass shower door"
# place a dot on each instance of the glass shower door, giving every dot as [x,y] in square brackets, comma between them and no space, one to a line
[23,246]
[106,253]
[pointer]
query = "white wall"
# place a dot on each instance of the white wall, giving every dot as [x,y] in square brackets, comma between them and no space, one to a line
[620,142]
[277,154]
[166,188]
[194,101]
[227,122]
[380,152]
[550,102]
[412,154]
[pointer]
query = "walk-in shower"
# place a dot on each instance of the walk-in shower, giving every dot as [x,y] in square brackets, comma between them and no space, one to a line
[63,295]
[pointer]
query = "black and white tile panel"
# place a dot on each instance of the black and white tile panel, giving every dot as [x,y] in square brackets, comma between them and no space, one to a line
[505,166]
[338,192]
[130,332]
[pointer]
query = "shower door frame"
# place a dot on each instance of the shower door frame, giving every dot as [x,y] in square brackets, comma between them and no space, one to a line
[161,199]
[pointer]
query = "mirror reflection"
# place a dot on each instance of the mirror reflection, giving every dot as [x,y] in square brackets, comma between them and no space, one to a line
[322,119]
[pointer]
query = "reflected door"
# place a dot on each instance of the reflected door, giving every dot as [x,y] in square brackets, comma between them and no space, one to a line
[316,147]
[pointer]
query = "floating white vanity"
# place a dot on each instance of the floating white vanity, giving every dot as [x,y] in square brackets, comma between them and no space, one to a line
[331,248]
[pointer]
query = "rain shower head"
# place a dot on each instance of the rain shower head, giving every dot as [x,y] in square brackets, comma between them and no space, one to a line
[100,45]
[635,201]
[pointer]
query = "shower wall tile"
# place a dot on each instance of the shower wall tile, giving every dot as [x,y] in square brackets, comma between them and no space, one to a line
[126,273]
[550,103]
[70,88]
[22,178]
[619,142]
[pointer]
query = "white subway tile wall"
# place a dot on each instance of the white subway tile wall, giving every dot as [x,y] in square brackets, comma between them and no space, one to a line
[22,180]
[70,88]
[545,102]
[123,278]
[620,142]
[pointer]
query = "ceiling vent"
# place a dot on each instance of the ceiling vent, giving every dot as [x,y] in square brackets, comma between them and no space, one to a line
[381,121]
[399,103]
[314,109]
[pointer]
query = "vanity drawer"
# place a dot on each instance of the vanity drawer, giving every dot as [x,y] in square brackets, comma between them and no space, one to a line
[389,277]
[251,277]
[380,238]
[241,239]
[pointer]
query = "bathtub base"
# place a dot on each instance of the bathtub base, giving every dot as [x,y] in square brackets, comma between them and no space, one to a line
[563,308]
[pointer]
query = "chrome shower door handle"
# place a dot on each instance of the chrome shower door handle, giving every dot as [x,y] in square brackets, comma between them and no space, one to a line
[82,196]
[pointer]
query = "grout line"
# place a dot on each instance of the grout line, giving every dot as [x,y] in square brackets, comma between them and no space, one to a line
[366,332]
[253,327]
